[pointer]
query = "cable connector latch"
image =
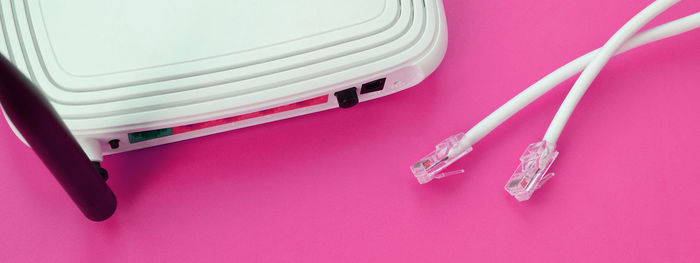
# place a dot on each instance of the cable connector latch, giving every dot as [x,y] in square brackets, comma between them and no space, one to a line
[531,174]
[446,153]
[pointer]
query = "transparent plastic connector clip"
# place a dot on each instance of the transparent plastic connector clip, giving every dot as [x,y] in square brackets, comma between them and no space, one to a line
[531,174]
[446,153]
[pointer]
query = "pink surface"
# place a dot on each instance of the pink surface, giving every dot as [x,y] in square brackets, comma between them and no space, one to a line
[335,186]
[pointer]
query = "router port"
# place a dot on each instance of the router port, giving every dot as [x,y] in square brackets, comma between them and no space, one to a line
[373,86]
[347,98]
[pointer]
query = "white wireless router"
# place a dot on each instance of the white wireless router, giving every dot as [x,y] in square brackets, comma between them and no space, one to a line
[125,75]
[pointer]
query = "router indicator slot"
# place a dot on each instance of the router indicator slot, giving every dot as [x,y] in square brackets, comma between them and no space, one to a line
[136,137]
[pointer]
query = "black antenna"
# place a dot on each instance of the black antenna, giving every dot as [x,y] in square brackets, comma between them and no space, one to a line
[48,136]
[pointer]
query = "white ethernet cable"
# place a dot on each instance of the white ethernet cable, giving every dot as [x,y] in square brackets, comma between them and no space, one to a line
[594,68]
[531,174]
[455,147]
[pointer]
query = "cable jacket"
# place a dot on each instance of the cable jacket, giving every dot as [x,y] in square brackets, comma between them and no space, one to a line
[539,88]
[593,69]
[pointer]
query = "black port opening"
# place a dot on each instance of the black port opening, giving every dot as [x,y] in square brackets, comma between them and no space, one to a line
[347,98]
[373,86]
[114,144]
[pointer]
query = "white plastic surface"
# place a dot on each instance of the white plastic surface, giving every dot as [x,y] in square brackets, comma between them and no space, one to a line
[129,35]
[112,68]
[3,40]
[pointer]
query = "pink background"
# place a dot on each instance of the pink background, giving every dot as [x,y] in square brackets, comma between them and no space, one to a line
[335,186]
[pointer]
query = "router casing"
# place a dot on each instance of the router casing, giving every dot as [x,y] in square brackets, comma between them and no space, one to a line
[152,72]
